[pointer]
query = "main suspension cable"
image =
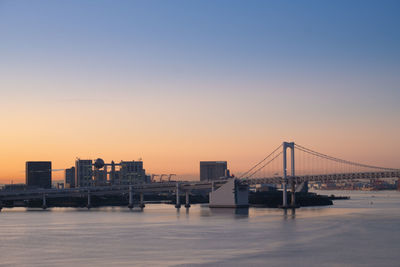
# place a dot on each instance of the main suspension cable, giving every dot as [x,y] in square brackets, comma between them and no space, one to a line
[280,153]
[255,166]
[315,153]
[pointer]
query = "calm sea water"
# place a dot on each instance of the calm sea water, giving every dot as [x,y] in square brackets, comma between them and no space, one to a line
[363,231]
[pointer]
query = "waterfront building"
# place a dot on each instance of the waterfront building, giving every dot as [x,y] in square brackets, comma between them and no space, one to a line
[83,172]
[60,185]
[100,177]
[70,177]
[99,173]
[15,187]
[38,174]
[213,170]
[132,172]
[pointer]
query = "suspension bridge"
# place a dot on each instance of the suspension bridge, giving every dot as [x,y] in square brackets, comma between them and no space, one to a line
[304,165]
[309,165]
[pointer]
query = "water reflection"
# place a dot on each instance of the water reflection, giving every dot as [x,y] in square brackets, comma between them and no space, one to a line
[242,211]
[236,212]
[291,214]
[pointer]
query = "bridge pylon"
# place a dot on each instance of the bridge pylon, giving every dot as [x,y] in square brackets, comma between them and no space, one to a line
[285,146]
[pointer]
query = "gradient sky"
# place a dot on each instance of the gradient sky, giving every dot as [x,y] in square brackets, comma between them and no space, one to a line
[176,82]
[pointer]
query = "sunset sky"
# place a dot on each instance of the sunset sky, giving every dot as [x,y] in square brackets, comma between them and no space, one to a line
[176,82]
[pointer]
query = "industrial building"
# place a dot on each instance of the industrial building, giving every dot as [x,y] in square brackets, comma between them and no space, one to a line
[213,170]
[38,174]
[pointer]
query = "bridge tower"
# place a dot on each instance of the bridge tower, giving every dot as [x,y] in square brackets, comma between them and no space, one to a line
[285,146]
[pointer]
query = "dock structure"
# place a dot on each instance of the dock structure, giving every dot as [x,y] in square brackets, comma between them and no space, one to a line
[232,194]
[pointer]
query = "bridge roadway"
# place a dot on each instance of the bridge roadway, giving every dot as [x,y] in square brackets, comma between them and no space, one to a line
[157,187]
[326,177]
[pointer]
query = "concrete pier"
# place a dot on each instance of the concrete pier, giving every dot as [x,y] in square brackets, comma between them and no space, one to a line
[232,194]
[44,205]
[130,205]
[178,201]
[142,205]
[293,202]
[284,198]
[89,203]
[187,204]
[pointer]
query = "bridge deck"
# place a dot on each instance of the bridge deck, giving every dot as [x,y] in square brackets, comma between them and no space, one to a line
[109,190]
[327,177]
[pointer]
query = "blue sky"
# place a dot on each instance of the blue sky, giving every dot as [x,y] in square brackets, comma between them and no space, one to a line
[202,37]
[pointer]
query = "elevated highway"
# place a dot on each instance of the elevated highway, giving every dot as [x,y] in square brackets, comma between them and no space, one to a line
[332,177]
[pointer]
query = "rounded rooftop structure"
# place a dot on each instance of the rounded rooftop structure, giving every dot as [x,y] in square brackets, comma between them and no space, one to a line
[99,163]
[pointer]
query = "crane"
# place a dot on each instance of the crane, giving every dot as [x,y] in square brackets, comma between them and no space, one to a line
[169,177]
[153,177]
[161,176]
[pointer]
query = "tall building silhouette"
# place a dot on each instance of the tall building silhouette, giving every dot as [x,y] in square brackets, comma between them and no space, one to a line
[38,174]
[132,172]
[83,172]
[70,177]
[213,170]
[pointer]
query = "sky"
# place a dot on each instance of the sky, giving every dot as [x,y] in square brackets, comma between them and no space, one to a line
[177,82]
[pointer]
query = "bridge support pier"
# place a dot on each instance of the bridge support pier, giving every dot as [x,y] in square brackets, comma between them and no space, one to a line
[142,205]
[187,204]
[44,205]
[130,205]
[1,206]
[178,202]
[89,202]
[293,204]
[284,199]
